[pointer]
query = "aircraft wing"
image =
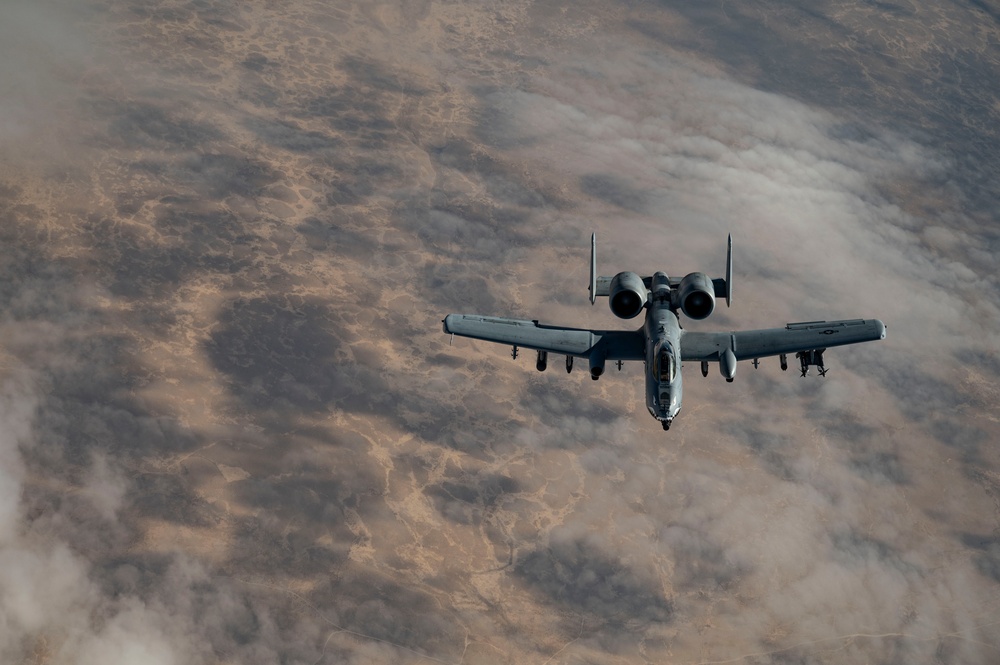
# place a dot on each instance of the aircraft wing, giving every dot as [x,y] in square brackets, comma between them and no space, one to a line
[794,337]
[616,344]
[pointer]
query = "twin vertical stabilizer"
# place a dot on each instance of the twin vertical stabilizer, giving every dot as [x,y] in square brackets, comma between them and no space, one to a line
[601,286]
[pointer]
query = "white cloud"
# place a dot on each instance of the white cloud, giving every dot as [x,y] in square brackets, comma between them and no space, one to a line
[804,199]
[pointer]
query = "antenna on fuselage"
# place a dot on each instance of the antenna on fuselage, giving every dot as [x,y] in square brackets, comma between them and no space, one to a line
[593,267]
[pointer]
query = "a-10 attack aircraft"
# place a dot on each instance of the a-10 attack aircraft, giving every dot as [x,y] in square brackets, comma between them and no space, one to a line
[662,343]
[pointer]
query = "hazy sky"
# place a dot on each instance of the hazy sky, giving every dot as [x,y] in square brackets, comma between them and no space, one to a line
[234,432]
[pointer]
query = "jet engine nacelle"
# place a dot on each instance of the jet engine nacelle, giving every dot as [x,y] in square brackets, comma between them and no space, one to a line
[627,295]
[697,295]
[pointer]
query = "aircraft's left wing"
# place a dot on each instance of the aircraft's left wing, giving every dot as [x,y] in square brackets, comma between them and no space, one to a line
[794,337]
[616,344]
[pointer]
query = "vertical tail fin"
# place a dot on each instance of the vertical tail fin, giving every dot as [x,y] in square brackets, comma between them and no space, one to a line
[593,268]
[729,272]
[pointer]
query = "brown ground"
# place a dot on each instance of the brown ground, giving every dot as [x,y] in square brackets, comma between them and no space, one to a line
[232,230]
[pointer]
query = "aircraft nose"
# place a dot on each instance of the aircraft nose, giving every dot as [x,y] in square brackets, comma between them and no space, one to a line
[666,401]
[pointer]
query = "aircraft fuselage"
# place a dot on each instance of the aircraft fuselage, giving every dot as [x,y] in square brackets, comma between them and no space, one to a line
[664,388]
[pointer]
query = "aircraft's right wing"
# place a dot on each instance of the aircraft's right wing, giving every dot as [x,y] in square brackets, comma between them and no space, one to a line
[615,344]
[794,337]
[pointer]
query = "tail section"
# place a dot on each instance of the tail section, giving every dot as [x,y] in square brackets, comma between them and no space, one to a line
[724,287]
[719,287]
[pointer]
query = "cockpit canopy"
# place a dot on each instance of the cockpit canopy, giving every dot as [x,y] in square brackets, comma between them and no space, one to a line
[666,367]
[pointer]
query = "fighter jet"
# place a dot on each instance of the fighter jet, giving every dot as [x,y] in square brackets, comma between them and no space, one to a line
[662,343]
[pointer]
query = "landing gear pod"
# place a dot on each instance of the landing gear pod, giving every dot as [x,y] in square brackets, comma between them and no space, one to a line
[727,364]
[596,365]
[542,362]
